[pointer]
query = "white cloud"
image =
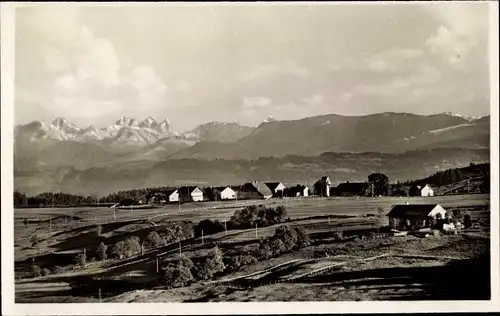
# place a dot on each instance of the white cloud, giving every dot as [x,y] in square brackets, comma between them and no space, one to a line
[313,100]
[87,70]
[256,103]
[287,68]
[463,26]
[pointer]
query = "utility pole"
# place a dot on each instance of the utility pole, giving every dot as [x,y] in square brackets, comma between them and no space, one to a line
[225,225]
[180,249]
[256,234]
[157,266]
[468,186]
[373,190]
[202,236]
[114,213]
[100,299]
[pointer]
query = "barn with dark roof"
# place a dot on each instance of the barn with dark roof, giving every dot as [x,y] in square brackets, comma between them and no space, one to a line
[414,216]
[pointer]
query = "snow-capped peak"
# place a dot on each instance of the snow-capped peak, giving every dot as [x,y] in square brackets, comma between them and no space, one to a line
[126,121]
[468,118]
[59,122]
[270,119]
[149,122]
[164,126]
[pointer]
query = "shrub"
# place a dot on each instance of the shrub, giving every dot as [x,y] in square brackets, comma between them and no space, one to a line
[132,246]
[232,263]
[102,251]
[265,251]
[339,235]
[81,258]
[119,250]
[58,270]
[277,247]
[302,237]
[46,272]
[175,275]
[153,240]
[467,221]
[99,230]
[186,262]
[263,216]
[36,271]
[213,264]
[287,235]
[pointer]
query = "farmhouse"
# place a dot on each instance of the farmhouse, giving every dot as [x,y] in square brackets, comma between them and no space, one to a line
[417,190]
[224,193]
[351,189]
[298,190]
[190,194]
[277,188]
[427,190]
[254,190]
[414,216]
[172,195]
[322,187]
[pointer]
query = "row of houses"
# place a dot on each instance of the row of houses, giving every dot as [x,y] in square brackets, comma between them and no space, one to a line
[323,187]
[247,191]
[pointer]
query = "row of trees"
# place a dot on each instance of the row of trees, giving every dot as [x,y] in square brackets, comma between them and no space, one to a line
[185,271]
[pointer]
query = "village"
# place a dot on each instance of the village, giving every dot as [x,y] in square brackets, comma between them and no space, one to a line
[265,190]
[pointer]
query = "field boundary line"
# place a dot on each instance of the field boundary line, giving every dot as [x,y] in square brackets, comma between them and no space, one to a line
[336,265]
[257,272]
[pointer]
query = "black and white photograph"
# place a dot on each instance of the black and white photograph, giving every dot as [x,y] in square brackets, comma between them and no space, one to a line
[250,153]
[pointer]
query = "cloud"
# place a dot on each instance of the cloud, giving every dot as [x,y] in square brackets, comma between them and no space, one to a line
[286,68]
[254,103]
[313,100]
[419,83]
[87,75]
[462,27]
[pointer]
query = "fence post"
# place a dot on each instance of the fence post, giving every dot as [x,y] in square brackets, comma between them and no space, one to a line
[100,299]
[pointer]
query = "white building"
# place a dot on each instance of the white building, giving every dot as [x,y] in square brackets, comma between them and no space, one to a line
[173,196]
[227,194]
[427,191]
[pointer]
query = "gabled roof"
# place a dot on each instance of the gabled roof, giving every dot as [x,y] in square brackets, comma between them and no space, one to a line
[187,189]
[272,185]
[298,188]
[411,210]
[260,187]
[168,192]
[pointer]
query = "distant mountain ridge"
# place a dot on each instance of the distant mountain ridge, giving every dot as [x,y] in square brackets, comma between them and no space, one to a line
[128,149]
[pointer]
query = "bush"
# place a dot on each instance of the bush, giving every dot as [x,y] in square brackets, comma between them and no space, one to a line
[36,271]
[467,221]
[58,270]
[46,272]
[153,240]
[175,275]
[132,246]
[277,247]
[99,230]
[213,264]
[102,251]
[302,237]
[338,235]
[287,235]
[265,251]
[81,258]
[119,250]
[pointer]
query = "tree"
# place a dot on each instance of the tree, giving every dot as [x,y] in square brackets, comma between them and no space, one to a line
[277,247]
[132,246]
[380,183]
[101,251]
[265,251]
[46,272]
[81,259]
[119,249]
[302,237]
[153,240]
[287,236]
[175,275]
[99,230]
[467,221]
[36,271]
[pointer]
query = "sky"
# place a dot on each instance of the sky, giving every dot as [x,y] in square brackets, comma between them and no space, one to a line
[195,63]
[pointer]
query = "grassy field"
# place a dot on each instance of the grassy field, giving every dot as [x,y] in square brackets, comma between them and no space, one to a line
[62,233]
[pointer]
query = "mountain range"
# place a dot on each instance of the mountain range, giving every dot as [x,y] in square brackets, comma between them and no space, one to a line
[132,154]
